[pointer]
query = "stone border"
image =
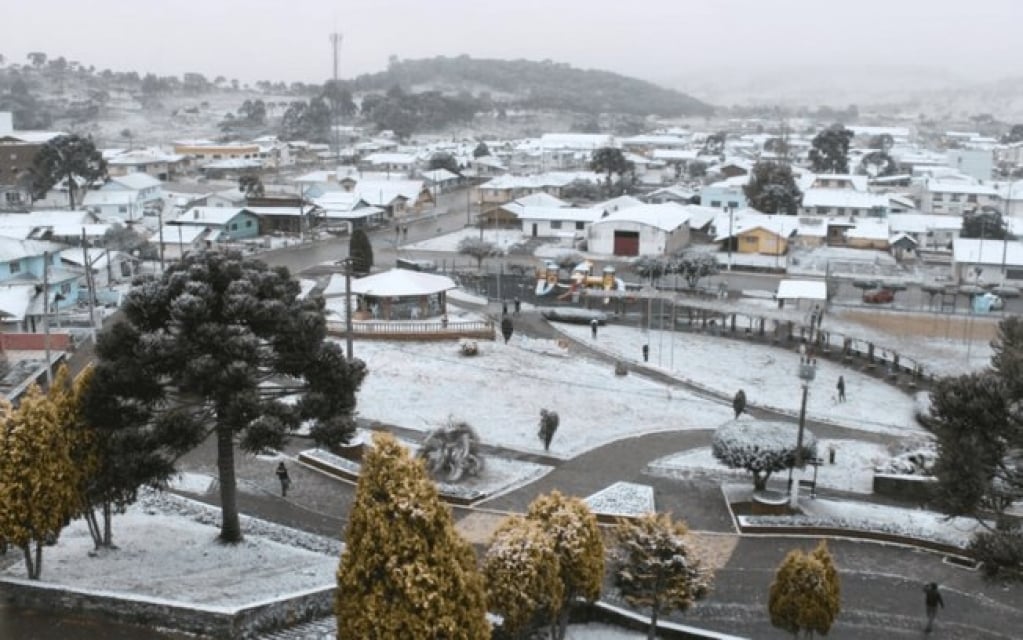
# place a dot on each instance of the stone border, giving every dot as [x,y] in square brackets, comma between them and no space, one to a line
[240,623]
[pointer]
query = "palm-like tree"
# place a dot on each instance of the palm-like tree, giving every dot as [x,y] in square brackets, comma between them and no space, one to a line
[65,158]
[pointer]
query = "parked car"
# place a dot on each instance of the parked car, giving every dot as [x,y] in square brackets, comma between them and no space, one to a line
[878,296]
[989,301]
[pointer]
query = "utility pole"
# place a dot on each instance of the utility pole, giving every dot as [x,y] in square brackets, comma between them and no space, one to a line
[349,347]
[46,316]
[90,286]
[159,217]
[335,41]
[731,217]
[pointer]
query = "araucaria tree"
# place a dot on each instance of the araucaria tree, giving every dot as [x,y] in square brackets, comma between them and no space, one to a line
[216,347]
[761,448]
[580,548]
[772,188]
[655,567]
[522,574]
[39,482]
[405,572]
[360,250]
[977,420]
[805,595]
[66,158]
[830,150]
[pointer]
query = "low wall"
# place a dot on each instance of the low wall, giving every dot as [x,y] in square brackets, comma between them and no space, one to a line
[918,489]
[35,341]
[234,624]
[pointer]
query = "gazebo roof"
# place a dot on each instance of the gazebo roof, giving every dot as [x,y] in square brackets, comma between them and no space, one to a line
[393,283]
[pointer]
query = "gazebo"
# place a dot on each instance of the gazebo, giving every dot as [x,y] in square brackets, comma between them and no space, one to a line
[398,294]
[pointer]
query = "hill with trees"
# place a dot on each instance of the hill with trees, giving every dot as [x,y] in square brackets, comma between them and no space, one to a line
[535,85]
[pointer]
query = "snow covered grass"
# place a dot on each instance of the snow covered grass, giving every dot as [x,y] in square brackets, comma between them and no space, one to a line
[503,238]
[166,555]
[767,374]
[626,499]
[501,391]
[853,470]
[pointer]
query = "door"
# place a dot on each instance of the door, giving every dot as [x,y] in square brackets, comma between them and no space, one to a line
[534,229]
[626,243]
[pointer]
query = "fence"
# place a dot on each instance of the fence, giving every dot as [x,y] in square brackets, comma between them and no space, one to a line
[480,330]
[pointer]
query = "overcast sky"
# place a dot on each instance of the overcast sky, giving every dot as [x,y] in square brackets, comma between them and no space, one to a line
[661,40]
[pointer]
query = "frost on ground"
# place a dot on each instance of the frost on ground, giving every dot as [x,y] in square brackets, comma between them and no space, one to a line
[163,554]
[767,374]
[501,391]
[853,469]
[626,499]
[448,242]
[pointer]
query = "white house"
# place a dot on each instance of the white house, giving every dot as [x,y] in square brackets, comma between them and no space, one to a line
[985,261]
[649,229]
[842,202]
[931,232]
[557,222]
[956,198]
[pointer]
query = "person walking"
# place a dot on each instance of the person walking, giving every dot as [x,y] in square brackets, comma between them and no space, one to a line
[841,388]
[504,307]
[518,305]
[593,328]
[932,600]
[282,475]
[646,353]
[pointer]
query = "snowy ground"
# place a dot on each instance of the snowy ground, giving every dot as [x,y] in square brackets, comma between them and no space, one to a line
[767,374]
[623,499]
[853,469]
[501,391]
[448,242]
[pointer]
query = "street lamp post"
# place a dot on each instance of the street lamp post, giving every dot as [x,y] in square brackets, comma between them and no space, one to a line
[807,372]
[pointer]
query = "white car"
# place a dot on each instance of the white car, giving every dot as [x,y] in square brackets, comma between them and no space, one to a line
[990,301]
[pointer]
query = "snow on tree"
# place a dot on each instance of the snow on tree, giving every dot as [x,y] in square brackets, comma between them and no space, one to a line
[219,346]
[38,480]
[655,567]
[405,572]
[478,249]
[761,448]
[772,188]
[360,250]
[580,547]
[522,575]
[451,451]
[805,594]
[694,266]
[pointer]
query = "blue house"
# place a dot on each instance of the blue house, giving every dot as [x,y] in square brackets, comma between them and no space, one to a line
[232,223]
[23,301]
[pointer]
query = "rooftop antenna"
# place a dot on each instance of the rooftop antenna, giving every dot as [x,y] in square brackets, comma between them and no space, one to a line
[335,41]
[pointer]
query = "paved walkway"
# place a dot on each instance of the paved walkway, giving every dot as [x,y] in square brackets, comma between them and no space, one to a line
[881,584]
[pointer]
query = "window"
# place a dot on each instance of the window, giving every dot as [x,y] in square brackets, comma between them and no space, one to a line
[955,197]
[234,226]
[972,197]
[65,288]
[122,209]
[840,211]
[579,226]
[823,210]
[248,223]
[937,197]
[715,203]
[555,224]
[15,266]
[750,239]
[733,204]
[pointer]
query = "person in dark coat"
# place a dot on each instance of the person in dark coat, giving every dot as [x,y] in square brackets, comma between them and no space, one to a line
[841,388]
[504,307]
[282,475]
[646,353]
[593,327]
[932,600]
[518,305]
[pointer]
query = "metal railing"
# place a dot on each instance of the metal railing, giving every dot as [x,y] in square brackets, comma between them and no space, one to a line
[480,329]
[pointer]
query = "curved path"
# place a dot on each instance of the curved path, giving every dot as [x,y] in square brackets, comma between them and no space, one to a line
[881,583]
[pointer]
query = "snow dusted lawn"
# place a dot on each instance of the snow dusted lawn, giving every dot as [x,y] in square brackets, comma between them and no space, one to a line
[595,631]
[503,238]
[501,391]
[170,557]
[853,469]
[623,499]
[767,374]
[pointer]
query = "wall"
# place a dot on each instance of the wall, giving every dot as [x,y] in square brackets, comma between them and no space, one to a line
[35,341]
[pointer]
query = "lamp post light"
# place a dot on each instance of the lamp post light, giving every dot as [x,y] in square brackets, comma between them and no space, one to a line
[807,372]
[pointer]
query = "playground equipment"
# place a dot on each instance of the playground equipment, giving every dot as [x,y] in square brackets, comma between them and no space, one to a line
[582,277]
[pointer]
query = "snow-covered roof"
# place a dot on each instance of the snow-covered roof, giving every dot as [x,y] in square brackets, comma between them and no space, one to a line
[340,201]
[137,181]
[98,258]
[666,217]
[439,175]
[978,251]
[584,141]
[843,198]
[621,202]
[540,199]
[16,299]
[749,219]
[109,198]
[390,158]
[566,214]
[922,222]
[539,181]
[183,233]
[869,229]
[279,211]
[208,215]
[351,214]
[700,216]
[13,249]
[940,186]
[802,290]
[374,191]
[396,282]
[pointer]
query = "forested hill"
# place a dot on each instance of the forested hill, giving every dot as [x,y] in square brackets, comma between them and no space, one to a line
[536,85]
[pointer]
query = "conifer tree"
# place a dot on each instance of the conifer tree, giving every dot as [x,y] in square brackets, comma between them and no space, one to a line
[805,593]
[360,250]
[38,481]
[580,548]
[405,572]
[521,571]
[656,568]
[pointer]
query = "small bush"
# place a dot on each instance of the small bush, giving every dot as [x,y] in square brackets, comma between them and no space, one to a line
[469,348]
[1000,553]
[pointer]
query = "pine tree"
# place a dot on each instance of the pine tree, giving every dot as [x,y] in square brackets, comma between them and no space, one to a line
[405,572]
[360,250]
[805,593]
[38,481]
[580,548]
[656,569]
[521,572]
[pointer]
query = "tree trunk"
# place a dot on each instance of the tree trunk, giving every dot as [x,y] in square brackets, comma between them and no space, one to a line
[108,516]
[562,625]
[651,632]
[26,550]
[39,560]
[759,481]
[71,191]
[90,519]
[230,529]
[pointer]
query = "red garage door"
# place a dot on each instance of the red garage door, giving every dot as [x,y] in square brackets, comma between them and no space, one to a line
[626,243]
